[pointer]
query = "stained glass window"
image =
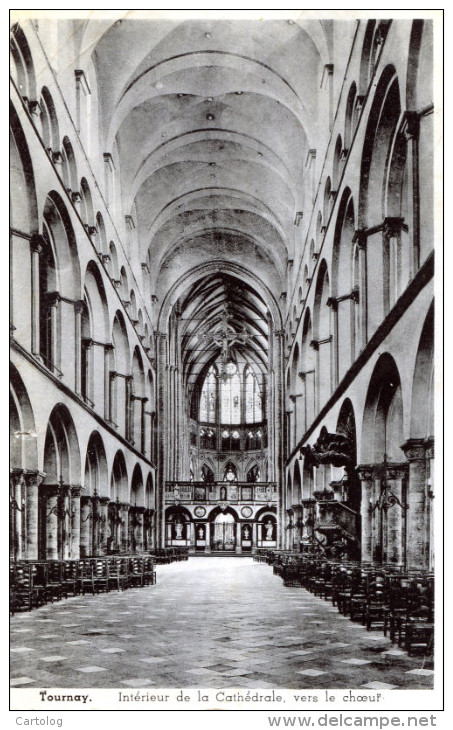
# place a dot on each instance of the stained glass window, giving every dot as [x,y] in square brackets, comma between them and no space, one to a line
[208,398]
[253,401]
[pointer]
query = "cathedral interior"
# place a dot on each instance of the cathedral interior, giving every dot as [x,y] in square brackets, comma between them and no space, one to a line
[222,339]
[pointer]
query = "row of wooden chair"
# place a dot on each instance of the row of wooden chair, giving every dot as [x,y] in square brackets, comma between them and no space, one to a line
[170,554]
[34,583]
[397,601]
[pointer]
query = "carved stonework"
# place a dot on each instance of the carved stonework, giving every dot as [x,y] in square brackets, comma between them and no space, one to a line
[365,472]
[415,449]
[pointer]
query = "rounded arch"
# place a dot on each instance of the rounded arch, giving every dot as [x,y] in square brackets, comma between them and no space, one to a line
[308,363]
[61,460]
[96,472]
[59,226]
[22,64]
[24,208]
[322,335]
[23,436]
[124,288]
[133,306]
[382,427]
[346,283]
[350,125]
[97,302]
[382,122]
[326,204]
[419,82]
[119,479]
[115,272]
[72,176]
[149,492]
[337,164]
[102,238]
[214,514]
[86,204]
[422,401]
[49,122]
[137,497]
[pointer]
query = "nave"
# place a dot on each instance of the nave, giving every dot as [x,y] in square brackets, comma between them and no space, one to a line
[201,625]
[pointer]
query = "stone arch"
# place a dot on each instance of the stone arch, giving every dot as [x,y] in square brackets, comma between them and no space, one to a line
[350,121]
[61,449]
[119,485]
[49,122]
[86,204]
[24,208]
[337,166]
[422,401]
[382,122]
[326,203]
[72,176]
[343,284]
[25,76]
[101,234]
[96,472]
[137,488]
[322,333]
[297,484]
[382,427]
[115,272]
[419,82]
[308,364]
[121,372]
[23,436]
[59,225]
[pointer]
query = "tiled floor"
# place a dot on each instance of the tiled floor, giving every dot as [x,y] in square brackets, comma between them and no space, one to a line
[209,622]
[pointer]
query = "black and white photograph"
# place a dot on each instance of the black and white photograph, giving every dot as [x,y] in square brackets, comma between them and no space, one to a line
[223,392]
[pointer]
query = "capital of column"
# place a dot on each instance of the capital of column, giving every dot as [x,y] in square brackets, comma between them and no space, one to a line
[76,490]
[34,478]
[50,490]
[365,472]
[76,198]
[392,226]
[414,449]
[333,303]
[37,243]
[411,125]
[104,500]
[34,107]
[57,157]
[360,237]
[397,471]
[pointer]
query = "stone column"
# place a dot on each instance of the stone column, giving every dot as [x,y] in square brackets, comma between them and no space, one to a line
[17,507]
[416,503]
[139,516]
[429,454]
[161,415]
[32,483]
[78,308]
[85,525]
[279,468]
[103,518]
[108,349]
[254,537]
[360,239]
[207,548]
[53,303]
[128,406]
[123,541]
[74,552]
[192,537]
[411,130]
[365,474]
[396,518]
[51,492]
[238,538]
[36,247]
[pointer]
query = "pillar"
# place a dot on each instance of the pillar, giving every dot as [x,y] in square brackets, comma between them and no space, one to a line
[17,508]
[254,537]
[140,519]
[411,130]
[365,474]
[360,239]
[416,503]
[161,416]
[32,482]
[207,548]
[238,538]
[123,543]
[78,307]
[36,247]
[51,492]
[85,525]
[396,518]
[128,403]
[103,519]
[108,349]
[74,550]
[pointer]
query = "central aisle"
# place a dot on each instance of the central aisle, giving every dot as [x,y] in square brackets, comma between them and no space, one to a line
[209,622]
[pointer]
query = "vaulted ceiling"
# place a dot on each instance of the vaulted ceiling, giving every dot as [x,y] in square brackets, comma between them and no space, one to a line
[211,122]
